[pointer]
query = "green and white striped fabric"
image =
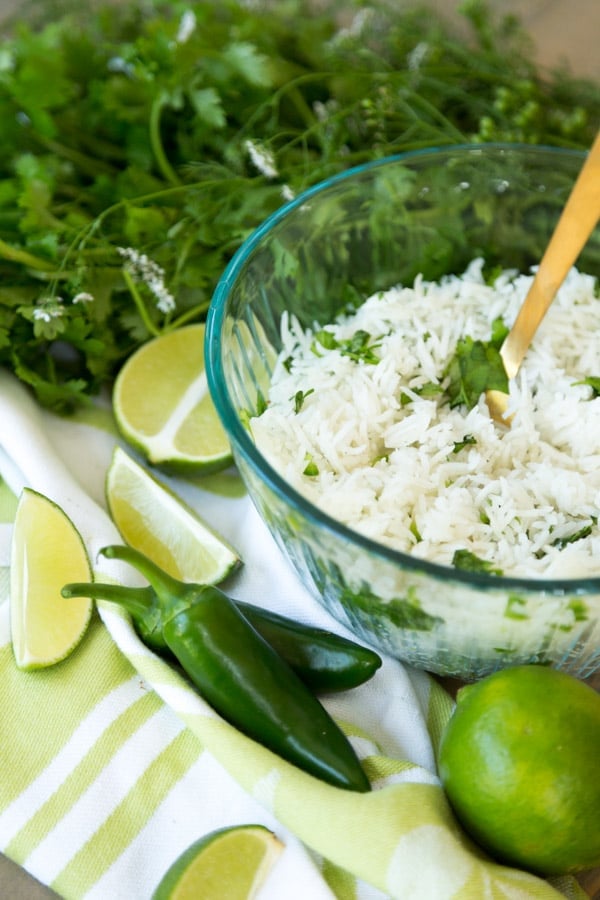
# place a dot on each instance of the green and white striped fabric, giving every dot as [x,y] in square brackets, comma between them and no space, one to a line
[112,765]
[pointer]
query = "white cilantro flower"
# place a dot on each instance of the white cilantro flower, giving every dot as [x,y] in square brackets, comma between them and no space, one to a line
[47,309]
[262,159]
[146,270]
[187,26]
[417,55]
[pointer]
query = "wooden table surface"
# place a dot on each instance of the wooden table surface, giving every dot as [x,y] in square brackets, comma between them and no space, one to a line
[590,882]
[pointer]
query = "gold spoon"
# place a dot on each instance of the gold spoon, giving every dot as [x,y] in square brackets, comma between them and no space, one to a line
[576,223]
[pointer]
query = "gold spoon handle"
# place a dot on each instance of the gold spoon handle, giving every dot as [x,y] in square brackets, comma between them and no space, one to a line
[576,223]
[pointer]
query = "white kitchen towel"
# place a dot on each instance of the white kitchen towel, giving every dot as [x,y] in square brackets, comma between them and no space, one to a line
[112,765]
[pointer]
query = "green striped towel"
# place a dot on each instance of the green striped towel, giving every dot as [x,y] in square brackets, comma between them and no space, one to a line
[112,765]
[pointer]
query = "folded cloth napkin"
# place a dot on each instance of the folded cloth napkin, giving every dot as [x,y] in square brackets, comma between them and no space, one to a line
[112,765]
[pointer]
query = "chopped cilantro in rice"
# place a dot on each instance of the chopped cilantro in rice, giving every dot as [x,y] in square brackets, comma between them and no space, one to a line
[392,458]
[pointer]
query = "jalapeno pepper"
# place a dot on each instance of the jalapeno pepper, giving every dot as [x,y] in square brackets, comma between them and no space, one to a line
[323,660]
[326,662]
[242,676]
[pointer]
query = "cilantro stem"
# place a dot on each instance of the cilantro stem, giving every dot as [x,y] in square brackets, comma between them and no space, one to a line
[274,101]
[189,315]
[302,106]
[88,165]
[127,138]
[140,305]
[78,244]
[414,101]
[142,199]
[14,254]
[156,141]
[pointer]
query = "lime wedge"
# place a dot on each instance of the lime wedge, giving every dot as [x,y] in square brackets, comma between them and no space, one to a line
[47,552]
[229,864]
[163,407]
[151,518]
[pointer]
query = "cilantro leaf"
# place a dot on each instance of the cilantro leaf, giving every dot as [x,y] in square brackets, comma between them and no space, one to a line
[128,125]
[358,347]
[261,403]
[578,535]
[300,397]
[402,612]
[466,441]
[311,469]
[427,391]
[475,367]
[499,332]
[325,339]
[592,381]
[470,562]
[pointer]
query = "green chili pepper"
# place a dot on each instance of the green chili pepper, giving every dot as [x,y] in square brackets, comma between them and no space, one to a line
[240,674]
[326,662]
[323,660]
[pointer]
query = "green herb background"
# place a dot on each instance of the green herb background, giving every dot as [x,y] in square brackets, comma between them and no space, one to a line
[120,131]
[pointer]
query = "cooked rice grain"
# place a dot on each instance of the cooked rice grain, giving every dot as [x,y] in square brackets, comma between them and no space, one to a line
[389,469]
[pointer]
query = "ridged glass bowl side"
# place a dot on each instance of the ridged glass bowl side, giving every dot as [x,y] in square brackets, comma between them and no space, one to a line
[425,213]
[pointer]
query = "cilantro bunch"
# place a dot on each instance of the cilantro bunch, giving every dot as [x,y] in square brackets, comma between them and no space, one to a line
[142,142]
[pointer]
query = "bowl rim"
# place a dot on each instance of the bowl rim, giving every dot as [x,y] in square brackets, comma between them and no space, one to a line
[263,469]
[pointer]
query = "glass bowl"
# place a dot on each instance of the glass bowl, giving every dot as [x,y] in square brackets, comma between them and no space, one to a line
[428,212]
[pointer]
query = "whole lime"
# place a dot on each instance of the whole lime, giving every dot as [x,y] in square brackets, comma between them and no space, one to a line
[520,764]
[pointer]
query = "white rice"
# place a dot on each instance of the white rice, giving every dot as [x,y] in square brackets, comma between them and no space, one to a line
[390,471]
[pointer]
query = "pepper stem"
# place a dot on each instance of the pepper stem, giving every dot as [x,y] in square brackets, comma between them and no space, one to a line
[136,600]
[164,584]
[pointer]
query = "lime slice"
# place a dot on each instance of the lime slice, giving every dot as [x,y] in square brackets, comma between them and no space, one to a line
[151,518]
[163,408]
[47,552]
[230,863]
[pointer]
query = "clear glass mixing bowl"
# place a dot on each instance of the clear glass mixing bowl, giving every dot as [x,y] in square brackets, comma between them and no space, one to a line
[380,224]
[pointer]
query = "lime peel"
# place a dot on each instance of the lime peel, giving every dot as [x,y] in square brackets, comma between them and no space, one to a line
[231,862]
[46,552]
[520,765]
[153,520]
[163,407]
